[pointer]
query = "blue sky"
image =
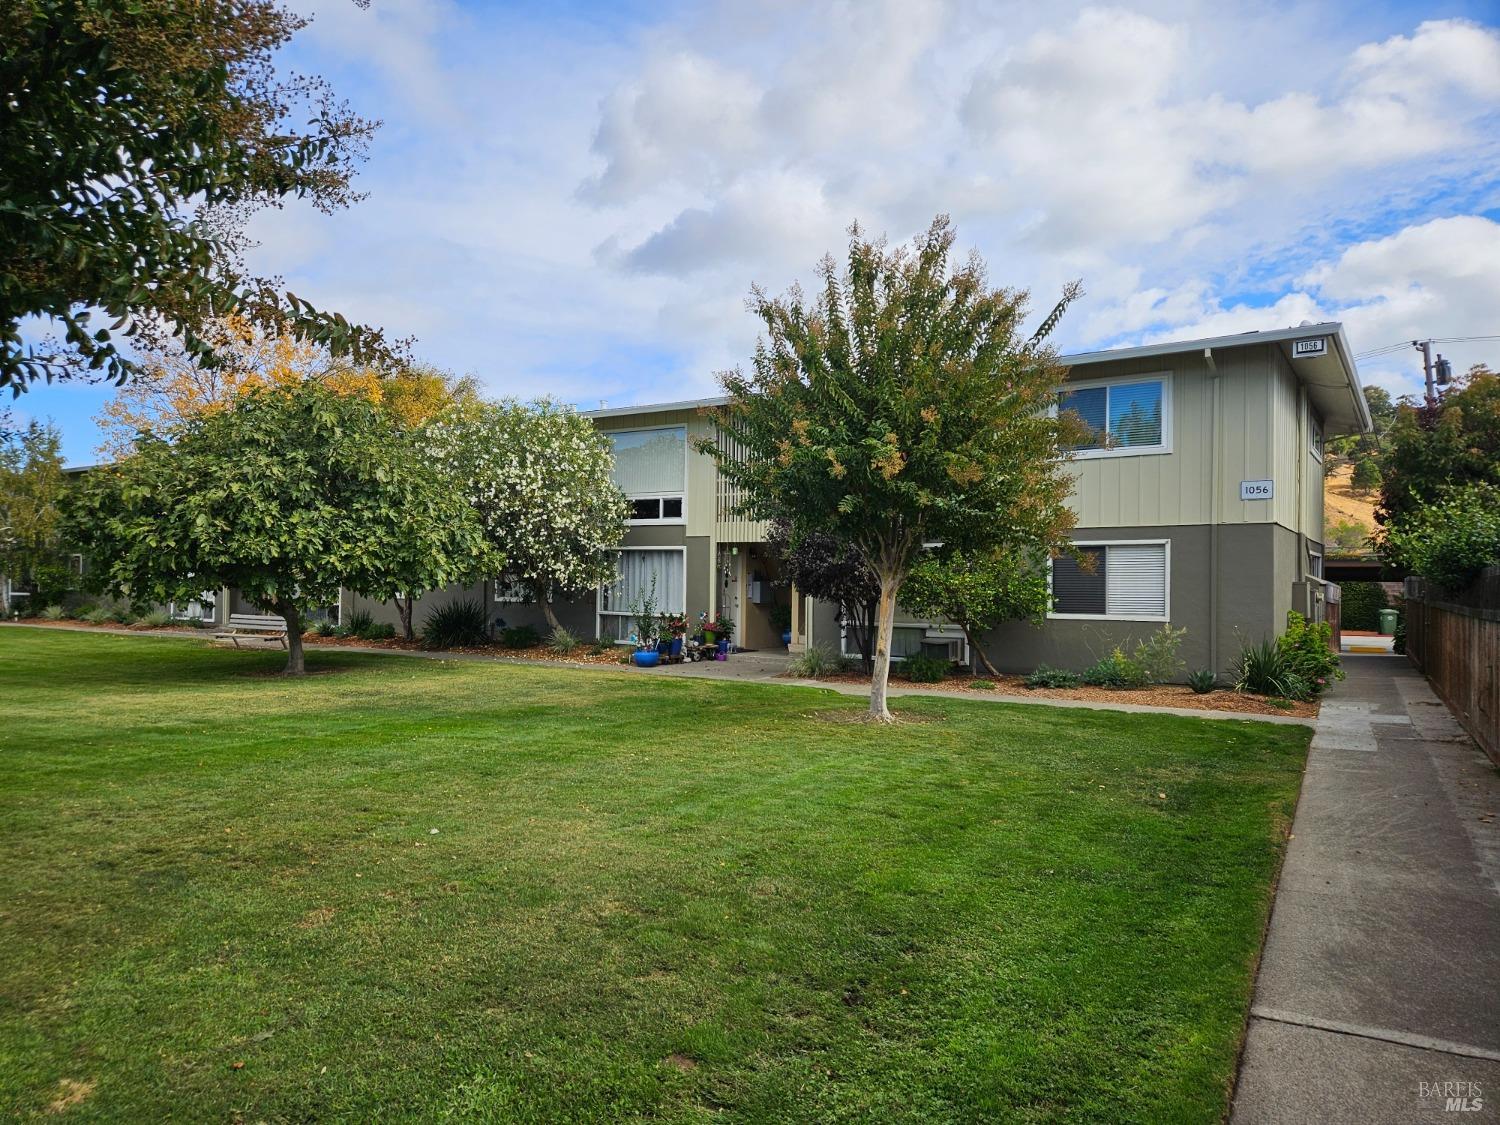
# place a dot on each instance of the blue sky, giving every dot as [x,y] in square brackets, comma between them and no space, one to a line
[574,199]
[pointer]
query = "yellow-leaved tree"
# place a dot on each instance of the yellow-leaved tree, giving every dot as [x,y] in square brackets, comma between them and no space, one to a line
[172,388]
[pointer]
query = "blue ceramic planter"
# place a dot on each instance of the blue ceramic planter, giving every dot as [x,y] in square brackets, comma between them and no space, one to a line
[647,659]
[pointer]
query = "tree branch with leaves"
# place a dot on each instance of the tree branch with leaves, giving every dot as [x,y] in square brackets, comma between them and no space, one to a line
[899,406]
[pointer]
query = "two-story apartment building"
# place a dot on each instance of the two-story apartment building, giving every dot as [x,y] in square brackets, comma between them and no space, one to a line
[1200,499]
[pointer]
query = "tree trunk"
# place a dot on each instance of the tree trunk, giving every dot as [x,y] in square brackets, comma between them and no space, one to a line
[553,623]
[975,650]
[295,666]
[885,629]
[404,608]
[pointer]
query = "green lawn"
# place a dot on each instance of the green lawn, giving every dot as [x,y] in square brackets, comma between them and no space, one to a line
[221,895]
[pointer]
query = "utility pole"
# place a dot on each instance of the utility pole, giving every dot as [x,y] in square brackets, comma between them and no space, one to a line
[1425,347]
[1437,372]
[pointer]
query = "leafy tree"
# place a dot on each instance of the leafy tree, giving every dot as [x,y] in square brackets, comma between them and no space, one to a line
[897,407]
[977,591]
[1452,540]
[1382,413]
[540,478]
[1432,449]
[1366,475]
[1348,537]
[139,135]
[822,567]
[31,489]
[287,493]
[171,388]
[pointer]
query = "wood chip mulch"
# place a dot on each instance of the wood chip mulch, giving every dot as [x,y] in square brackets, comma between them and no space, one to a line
[1160,695]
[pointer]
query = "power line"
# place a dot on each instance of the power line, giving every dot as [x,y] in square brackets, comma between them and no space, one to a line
[1407,343]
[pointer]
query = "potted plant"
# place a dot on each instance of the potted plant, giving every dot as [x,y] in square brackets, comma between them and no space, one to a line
[647,632]
[676,626]
[723,632]
[781,620]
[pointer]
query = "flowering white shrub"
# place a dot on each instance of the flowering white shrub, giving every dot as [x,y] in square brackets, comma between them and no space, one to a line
[539,476]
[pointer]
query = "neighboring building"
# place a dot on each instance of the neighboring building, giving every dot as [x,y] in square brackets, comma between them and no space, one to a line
[1202,503]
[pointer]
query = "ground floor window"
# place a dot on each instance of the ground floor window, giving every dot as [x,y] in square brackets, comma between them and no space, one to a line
[658,572]
[1119,580]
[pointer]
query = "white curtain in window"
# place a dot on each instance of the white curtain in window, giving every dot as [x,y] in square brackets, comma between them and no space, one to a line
[650,462]
[1136,580]
[633,574]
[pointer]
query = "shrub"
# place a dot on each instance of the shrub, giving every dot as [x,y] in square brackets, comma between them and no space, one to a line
[982,685]
[1116,671]
[562,641]
[1203,681]
[1450,541]
[156,618]
[600,646]
[1265,670]
[1398,642]
[816,663]
[1045,677]
[53,613]
[1366,475]
[1360,604]
[382,632]
[80,612]
[98,615]
[1156,657]
[359,624]
[1308,653]
[324,628]
[920,668]
[520,636]
[459,623]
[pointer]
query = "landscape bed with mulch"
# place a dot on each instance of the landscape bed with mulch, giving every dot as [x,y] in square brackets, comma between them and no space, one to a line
[581,655]
[1158,695]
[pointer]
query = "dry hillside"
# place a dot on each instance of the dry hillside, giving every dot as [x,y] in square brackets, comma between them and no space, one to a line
[1343,504]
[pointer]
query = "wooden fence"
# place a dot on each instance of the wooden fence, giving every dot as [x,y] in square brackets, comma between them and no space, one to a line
[1455,642]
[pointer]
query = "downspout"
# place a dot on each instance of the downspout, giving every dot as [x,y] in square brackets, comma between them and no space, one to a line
[1213,511]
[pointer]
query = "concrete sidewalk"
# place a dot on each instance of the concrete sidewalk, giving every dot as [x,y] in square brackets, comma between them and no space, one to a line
[1380,979]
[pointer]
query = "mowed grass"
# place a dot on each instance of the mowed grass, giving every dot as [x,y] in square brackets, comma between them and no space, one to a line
[417,889]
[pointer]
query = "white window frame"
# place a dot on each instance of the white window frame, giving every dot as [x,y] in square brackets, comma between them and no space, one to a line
[931,631]
[1315,438]
[600,613]
[686,451]
[1315,563]
[1165,446]
[638,522]
[1107,543]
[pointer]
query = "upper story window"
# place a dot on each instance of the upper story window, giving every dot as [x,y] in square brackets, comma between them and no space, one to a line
[651,469]
[1126,417]
[1315,435]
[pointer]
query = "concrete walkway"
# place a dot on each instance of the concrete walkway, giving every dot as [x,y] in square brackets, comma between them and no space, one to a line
[1381,970]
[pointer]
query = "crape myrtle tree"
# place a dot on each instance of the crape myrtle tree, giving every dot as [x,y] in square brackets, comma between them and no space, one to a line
[979,590]
[822,567]
[138,137]
[539,476]
[287,493]
[901,406]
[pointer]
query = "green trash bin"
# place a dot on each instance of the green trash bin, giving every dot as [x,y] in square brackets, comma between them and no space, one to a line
[1388,622]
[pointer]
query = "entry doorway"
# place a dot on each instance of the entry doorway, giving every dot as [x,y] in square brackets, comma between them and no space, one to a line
[753,595]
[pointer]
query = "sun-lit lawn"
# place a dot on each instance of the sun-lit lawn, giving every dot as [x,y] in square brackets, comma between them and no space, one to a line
[409,888]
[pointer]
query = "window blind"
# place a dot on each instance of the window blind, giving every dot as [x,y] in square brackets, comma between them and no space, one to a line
[650,462]
[1136,580]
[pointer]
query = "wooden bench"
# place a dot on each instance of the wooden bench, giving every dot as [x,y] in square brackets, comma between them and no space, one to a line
[253,626]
